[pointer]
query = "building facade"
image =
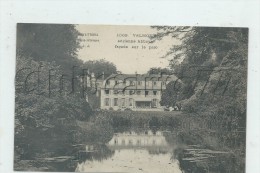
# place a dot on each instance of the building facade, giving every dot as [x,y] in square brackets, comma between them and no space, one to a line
[133,91]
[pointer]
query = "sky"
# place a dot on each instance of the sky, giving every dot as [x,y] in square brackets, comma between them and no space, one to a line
[127,47]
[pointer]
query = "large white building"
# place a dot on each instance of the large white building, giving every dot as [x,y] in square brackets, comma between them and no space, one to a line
[133,91]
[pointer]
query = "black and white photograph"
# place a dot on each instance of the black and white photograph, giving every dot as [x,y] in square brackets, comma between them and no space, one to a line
[111,98]
[147,86]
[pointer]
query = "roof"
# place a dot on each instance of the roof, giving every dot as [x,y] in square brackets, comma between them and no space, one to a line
[151,148]
[142,77]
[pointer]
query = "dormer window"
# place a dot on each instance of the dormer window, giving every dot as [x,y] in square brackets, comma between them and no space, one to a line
[120,82]
[131,92]
[132,83]
[116,92]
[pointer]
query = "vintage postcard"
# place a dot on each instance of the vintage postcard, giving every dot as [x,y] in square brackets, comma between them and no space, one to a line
[134,99]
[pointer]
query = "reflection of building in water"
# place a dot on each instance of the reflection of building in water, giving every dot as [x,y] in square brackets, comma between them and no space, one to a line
[134,152]
[153,142]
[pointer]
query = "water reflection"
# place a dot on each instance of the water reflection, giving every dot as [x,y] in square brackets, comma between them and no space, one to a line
[132,140]
[160,150]
[142,151]
[96,152]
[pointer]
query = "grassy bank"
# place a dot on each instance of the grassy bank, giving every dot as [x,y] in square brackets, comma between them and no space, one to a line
[141,119]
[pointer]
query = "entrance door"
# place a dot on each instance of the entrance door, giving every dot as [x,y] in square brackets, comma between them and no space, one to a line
[143,104]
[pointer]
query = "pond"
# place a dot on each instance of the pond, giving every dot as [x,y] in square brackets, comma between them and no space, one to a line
[155,150]
[134,151]
[129,145]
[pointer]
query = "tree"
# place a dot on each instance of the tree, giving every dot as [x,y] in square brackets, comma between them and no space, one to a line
[40,99]
[212,65]
[159,70]
[98,67]
[42,112]
[208,51]
[170,95]
[57,43]
[50,95]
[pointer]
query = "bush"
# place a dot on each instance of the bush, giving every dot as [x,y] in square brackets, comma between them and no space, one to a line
[128,109]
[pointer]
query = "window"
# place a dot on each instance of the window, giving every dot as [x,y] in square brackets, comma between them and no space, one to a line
[130,142]
[123,142]
[139,83]
[121,82]
[131,92]
[154,142]
[154,93]
[154,83]
[138,142]
[116,141]
[115,101]
[106,101]
[116,82]
[123,102]
[132,83]
[115,92]
[107,92]
[138,92]
[130,102]
[146,93]
[108,82]
[163,83]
